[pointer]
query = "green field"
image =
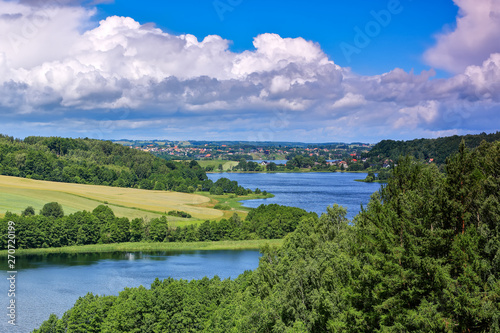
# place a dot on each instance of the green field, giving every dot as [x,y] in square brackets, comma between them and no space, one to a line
[18,193]
[226,165]
[178,246]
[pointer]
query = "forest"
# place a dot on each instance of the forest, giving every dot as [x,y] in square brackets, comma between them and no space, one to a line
[50,228]
[424,256]
[96,162]
[424,149]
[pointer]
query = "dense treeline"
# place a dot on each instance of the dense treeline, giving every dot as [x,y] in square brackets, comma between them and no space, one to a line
[319,163]
[265,222]
[423,256]
[425,149]
[381,176]
[189,156]
[298,161]
[52,229]
[87,161]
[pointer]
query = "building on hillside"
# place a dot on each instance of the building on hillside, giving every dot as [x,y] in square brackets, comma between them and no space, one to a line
[344,164]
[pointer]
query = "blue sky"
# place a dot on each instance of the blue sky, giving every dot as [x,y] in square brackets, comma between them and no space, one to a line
[329,23]
[249,70]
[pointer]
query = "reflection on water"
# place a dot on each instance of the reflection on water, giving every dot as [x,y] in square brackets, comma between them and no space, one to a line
[52,283]
[85,259]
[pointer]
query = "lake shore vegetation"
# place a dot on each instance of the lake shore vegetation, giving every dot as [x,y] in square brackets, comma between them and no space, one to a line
[253,244]
[51,229]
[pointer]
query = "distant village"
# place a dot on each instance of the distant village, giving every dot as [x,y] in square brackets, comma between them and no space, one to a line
[341,155]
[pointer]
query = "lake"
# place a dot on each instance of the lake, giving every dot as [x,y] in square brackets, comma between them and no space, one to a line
[312,191]
[52,283]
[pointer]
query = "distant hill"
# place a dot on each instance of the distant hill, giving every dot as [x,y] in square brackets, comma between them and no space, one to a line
[241,144]
[424,149]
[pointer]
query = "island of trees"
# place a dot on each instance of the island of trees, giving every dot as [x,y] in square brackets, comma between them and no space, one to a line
[423,256]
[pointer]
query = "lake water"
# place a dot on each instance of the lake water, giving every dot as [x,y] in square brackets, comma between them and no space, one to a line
[312,191]
[53,283]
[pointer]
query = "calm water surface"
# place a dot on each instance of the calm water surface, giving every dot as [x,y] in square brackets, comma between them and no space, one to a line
[53,283]
[312,191]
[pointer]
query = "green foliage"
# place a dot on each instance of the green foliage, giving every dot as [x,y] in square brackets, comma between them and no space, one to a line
[28,211]
[274,221]
[222,207]
[158,228]
[424,256]
[101,226]
[425,149]
[137,230]
[52,209]
[179,213]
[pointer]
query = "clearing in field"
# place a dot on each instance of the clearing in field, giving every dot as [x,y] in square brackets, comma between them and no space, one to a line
[18,193]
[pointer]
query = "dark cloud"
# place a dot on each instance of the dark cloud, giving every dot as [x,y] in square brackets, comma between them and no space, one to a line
[11,17]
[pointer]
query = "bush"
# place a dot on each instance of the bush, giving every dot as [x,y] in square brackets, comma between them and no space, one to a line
[29,211]
[222,207]
[179,213]
[52,209]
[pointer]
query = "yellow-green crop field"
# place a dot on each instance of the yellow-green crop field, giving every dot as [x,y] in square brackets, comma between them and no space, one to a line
[18,193]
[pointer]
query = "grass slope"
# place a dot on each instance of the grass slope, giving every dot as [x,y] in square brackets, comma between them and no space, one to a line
[18,193]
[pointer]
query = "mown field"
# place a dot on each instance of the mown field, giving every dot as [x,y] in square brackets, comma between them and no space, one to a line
[18,193]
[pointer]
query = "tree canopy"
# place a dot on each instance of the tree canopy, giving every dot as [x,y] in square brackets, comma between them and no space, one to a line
[425,149]
[424,256]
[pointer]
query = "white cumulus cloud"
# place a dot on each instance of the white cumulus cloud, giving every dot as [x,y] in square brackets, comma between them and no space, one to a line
[119,75]
[476,36]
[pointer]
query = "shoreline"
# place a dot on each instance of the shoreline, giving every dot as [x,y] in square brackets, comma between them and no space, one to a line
[148,246]
[373,181]
[287,171]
